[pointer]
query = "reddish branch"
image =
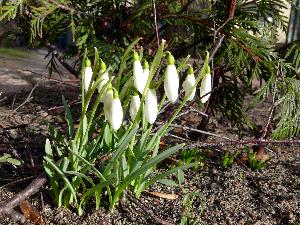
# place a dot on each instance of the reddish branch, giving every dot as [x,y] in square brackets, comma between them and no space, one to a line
[231,9]
[243,142]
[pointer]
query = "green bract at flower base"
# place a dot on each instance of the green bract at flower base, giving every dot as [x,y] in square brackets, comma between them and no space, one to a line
[105,154]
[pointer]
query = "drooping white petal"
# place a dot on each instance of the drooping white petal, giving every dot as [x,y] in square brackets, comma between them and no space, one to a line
[188,85]
[134,106]
[205,87]
[104,79]
[138,76]
[117,114]
[107,104]
[171,83]
[88,73]
[151,108]
[113,109]
[146,73]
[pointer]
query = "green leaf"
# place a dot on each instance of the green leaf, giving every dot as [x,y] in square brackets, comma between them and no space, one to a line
[165,174]
[125,168]
[90,192]
[168,182]
[122,147]
[150,163]
[107,136]
[74,173]
[180,175]
[7,158]
[69,118]
[69,185]
[48,149]
[184,221]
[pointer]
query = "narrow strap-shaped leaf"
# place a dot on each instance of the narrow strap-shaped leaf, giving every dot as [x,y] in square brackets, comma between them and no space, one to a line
[80,175]
[90,192]
[90,164]
[63,177]
[152,162]
[167,173]
[121,147]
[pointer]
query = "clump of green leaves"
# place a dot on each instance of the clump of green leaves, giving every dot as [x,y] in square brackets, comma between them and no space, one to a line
[256,164]
[228,159]
[193,155]
[188,200]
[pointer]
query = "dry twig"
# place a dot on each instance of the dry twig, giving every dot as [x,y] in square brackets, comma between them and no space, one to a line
[7,207]
[155,22]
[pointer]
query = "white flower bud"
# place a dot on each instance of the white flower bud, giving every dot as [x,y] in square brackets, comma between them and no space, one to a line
[107,104]
[113,109]
[189,83]
[138,74]
[205,87]
[134,106]
[171,82]
[88,74]
[104,76]
[117,114]
[146,73]
[151,108]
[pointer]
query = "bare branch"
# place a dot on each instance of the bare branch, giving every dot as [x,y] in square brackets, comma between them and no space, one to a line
[155,22]
[7,207]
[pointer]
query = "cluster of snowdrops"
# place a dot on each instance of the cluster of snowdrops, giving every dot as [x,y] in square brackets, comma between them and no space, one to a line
[109,155]
[112,105]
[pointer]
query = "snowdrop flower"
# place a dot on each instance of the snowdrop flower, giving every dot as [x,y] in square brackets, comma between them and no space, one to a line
[104,76]
[151,108]
[107,100]
[205,86]
[134,106]
[113,109]
[146,72]
[171,82]
[189,83]
[88,74]
[138,73]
